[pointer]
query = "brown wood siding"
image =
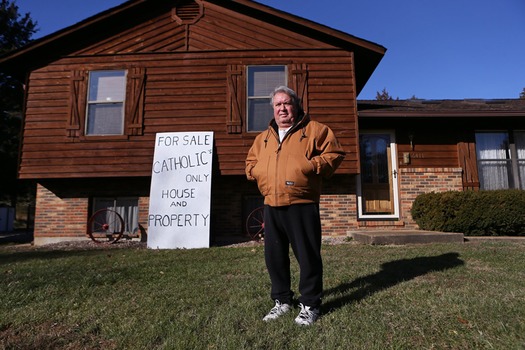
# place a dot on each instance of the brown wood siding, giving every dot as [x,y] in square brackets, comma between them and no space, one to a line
[434,142]
[183,92]
[218,29]
[332,85]
[429,156]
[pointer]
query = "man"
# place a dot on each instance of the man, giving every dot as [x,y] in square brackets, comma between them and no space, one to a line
[288,161]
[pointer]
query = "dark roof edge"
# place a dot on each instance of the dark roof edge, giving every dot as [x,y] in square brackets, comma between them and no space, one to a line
[442,108]
[377,48]
[423,114]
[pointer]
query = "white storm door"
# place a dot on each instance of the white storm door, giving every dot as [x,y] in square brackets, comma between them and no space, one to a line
[377,186]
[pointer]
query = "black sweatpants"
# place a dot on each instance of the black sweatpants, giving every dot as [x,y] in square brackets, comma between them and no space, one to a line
[298,225]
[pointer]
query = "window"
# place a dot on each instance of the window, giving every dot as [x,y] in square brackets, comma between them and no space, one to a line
[105,103]
[501,159]
[126,207]
[262,80]
[519,137]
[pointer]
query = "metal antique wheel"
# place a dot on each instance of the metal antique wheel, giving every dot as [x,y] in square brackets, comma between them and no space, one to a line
[255,224]
[105,226]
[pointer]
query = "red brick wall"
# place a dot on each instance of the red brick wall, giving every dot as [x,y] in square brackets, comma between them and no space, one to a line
[338,206]
[62,207]
[58,218]
[416,181]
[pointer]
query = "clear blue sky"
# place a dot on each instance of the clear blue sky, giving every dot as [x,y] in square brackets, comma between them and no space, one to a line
[446,49]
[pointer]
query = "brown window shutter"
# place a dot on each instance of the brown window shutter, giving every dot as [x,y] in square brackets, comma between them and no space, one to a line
[299,82]
[136,83]
[77,103]
[468,162]
[236,99]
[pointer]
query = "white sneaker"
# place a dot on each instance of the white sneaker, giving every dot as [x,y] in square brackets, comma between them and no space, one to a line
[307,316]
[277,311]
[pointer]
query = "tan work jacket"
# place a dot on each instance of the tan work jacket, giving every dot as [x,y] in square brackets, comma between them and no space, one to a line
[291,171]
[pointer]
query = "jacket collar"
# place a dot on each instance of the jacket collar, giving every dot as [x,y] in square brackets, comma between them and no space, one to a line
[301,121]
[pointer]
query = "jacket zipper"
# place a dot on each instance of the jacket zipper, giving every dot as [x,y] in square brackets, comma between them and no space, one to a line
[277,153]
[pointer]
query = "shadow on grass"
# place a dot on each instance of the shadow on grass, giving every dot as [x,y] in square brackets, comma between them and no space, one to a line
[391,273]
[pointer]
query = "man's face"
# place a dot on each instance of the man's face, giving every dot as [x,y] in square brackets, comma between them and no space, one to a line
[284,111]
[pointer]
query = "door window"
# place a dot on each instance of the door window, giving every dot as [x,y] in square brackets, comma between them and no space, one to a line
[377,188]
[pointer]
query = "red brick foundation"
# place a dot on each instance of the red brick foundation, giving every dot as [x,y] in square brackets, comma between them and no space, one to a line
[416,181]
[58,219]
[63,207]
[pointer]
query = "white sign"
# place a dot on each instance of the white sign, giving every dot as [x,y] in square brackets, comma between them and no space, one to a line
[180,194]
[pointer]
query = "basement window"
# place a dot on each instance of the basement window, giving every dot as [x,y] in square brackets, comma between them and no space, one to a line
[126,207]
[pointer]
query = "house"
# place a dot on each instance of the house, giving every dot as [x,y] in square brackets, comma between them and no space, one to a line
[411,147]
[97,92]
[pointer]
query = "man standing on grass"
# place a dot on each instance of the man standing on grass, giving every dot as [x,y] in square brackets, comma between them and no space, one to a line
[288,161]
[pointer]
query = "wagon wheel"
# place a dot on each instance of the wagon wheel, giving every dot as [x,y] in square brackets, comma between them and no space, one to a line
[255,224]
[105,226]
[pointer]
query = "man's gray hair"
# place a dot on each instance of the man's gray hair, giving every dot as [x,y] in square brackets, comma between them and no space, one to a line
[293,96]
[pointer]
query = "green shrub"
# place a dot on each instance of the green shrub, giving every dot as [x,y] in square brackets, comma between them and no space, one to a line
[483,213]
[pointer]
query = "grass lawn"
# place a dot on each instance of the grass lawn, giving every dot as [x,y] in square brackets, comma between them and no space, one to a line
[440,296]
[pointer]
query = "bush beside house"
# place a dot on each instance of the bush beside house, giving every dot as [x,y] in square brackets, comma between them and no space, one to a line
[474,213]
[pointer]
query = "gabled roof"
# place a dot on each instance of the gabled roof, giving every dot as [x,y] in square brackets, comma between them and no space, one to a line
[442,108]
[133,12]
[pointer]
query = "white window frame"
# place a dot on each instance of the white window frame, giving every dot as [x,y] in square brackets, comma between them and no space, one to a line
[93,103]
[249,98]
[395,181]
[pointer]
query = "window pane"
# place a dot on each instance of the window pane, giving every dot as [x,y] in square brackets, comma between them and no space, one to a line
[105,119]
[110,218]
[374,158]
[107,86]
[126,207]
[493,161]
[262,80]
[494,175]
[519,137]
[260,113]
[103,203]
[492,145]
[129,210]
[521,169]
